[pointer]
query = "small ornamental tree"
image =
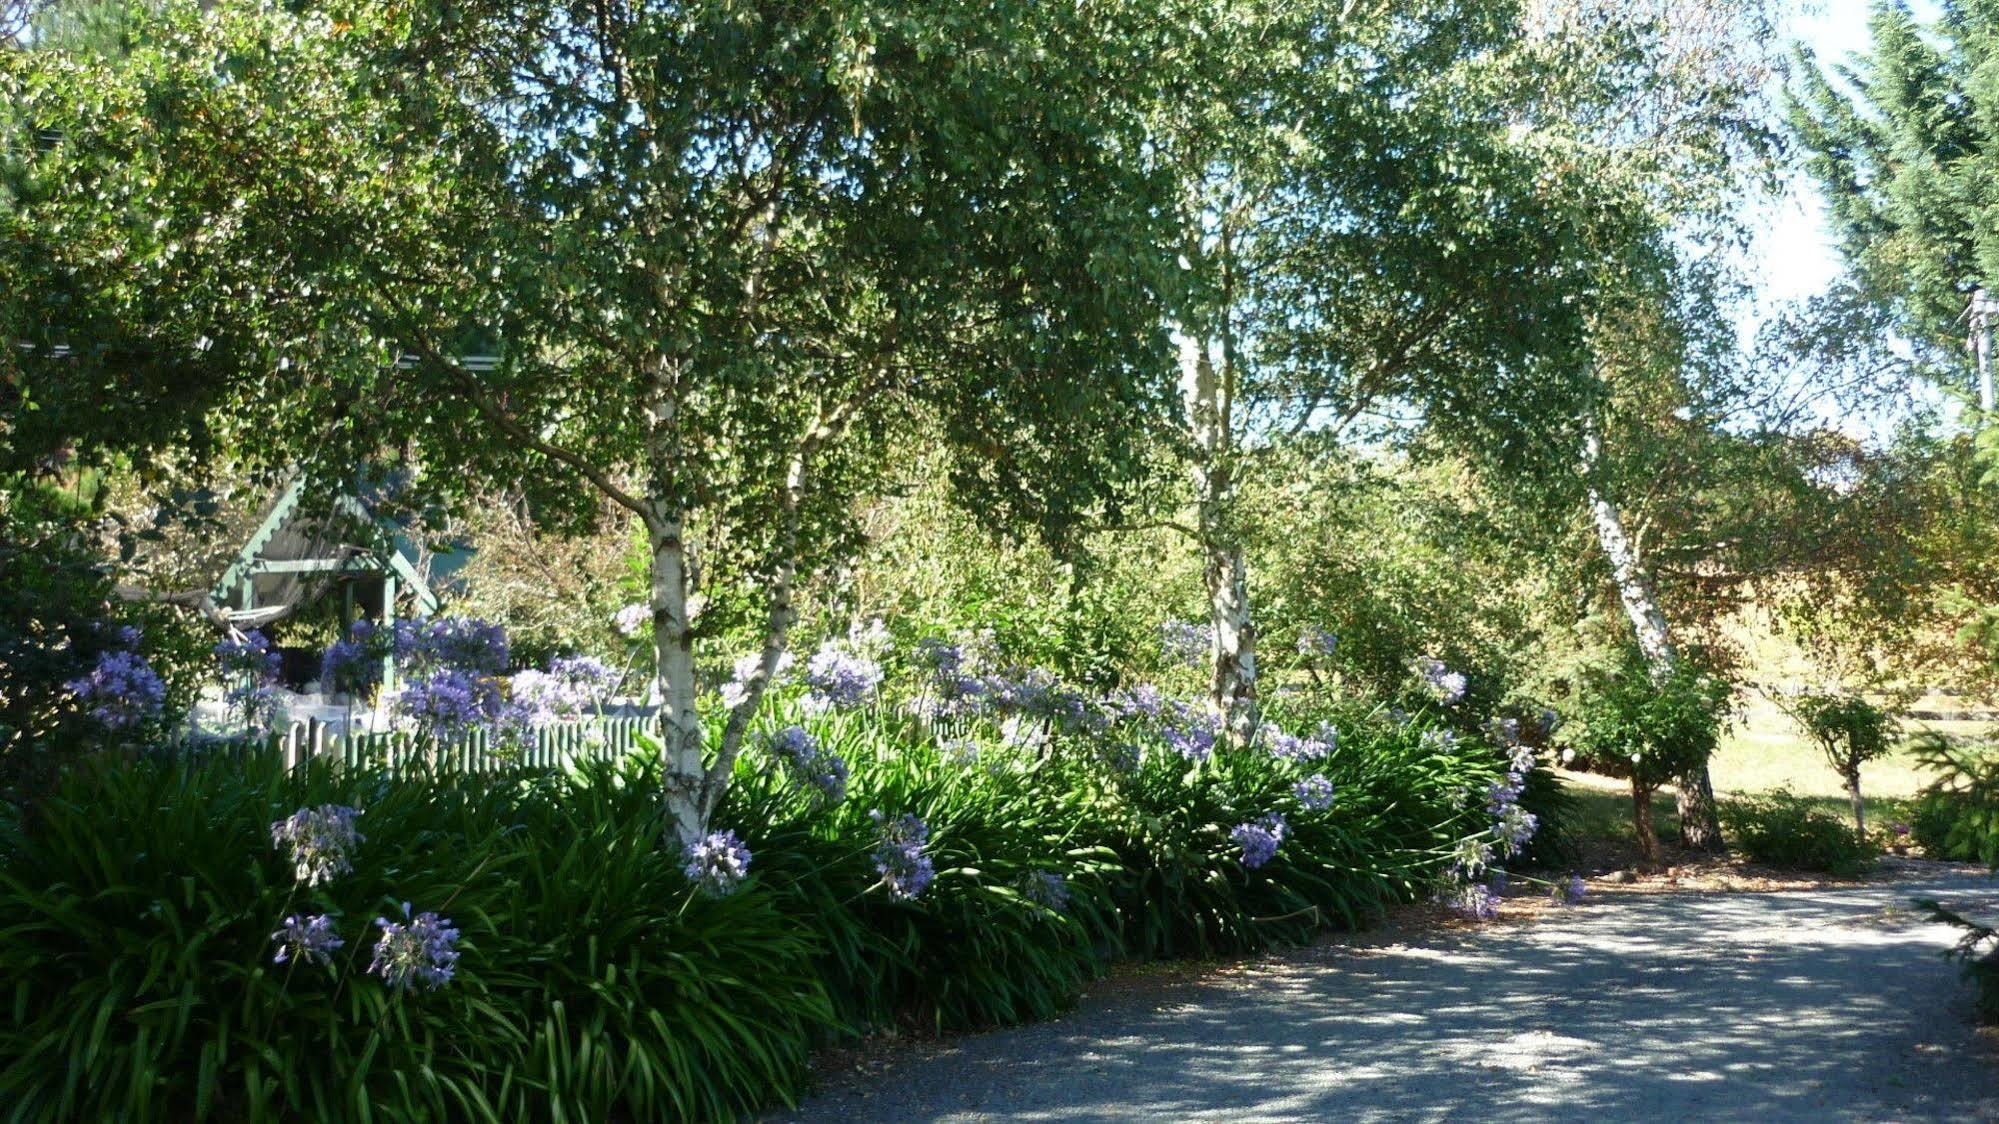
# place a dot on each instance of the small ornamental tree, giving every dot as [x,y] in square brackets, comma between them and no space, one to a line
[1622,719]
[1850,731]
[704,261]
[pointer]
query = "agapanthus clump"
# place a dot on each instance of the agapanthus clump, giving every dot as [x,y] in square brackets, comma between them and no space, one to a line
[420,949]
[1260,839]
[1185,642]
[632,619]
[1191,734]
[717,862]
[571,686]
[1445,685]
[450,702]
[808,763]
[1476,902]
[737,690]
[1047,889]
[463,644]
[1314,792]
[249,673]
[1470,857]
[1314,641]
[840,678]
[900,855]
[249,654]
[321,839]
[1292,747]
[353,664]
[1142,702]
[1439,740]
[121,692]
[309,939]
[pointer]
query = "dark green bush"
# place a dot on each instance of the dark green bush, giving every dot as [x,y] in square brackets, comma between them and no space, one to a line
[135,933]
[1957,813]
[1785,830]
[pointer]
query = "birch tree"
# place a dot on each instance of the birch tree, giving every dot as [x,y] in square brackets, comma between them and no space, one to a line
[1358,230]
[701,260]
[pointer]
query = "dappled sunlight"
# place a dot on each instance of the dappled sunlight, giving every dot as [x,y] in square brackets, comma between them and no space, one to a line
[1827,1005]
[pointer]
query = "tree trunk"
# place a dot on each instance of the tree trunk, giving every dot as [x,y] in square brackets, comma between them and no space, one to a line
[1853,794]
[682,739]
[1641,821]
[1700,825]
[1225,570]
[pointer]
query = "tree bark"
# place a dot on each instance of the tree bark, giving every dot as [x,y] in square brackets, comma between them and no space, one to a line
[1700,824]
[682,738]
[1853,794]
[1641,821]
[1232,690]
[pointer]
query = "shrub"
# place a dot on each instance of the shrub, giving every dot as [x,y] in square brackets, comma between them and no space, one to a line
[1785,830]
[1978,951]
[1957,813]
[136,928]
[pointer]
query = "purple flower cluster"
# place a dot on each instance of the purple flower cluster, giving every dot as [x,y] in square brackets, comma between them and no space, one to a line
[632,619]
[718,863]
[1184,642]
[248,656]
[1047,889]
[1291,747]
[421,949]
[450,702]
[737,690]
[1571,890]
[321,839]
[808,763]
[1512,825]
[1315,641]
[1448,686]
[1141,702]
[1191,735]
[899,855]
[1476,902]
[1314,792]
[308,939]
[841,678]
[458,643]
[1260,839]
[570,686]
[121,692]
[353,665]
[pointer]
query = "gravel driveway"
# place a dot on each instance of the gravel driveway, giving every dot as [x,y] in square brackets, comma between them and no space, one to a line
[1809,1005]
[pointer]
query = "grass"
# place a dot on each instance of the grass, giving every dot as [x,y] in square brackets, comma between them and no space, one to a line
[1763,753]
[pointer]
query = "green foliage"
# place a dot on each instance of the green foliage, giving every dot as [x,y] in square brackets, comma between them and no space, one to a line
[1851,730]
[1981,964]
[1785,830]
[135,931]
[1957,813]
[1618,720]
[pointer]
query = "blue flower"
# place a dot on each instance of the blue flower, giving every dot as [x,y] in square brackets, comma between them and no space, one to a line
[1571,890]
[321,839]
[1448,686]
[1047,889]
[899,855]
[1192,736]
[450,702]
[1260,839]
[421,949]
[1185,642]
[307,939]
[631,620]
[808,763]
[718,863]
[462,644]
[249,656]
[121,692]
[353,665]
[839,678]
[1314,792]
[1476,902]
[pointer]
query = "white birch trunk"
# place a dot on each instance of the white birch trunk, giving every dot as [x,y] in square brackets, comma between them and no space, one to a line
[1225,568]
[682,739]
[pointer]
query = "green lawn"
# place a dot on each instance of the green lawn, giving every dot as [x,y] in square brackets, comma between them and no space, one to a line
[1763,752]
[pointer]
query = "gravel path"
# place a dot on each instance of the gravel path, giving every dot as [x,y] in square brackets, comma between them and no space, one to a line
[1815,1005]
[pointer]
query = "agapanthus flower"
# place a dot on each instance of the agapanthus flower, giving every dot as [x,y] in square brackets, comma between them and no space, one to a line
[1497,883]
[1141,701]
[1314,792]
[462,644]
[121,692]
[352,665]
[311,939]
[1260,839]
[1192,736]
[1570,890]
[450,702]
[737,690]
[1024,733]
[1514,827]
[570,686]
[1505,731]
[959,751]
[1314,641]
[1185,642]
[1471,856]
[808,763]
[1047,889]
[1292,747]
[248,655]
[421,949]
[717,862]
[632,619]
[321,839]
[899,855]
[941,656]
[1446,685]
[1476,902]
[1439,740]
[840,678]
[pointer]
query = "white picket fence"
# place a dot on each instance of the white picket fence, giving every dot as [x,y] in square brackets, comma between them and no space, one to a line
[542,747]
